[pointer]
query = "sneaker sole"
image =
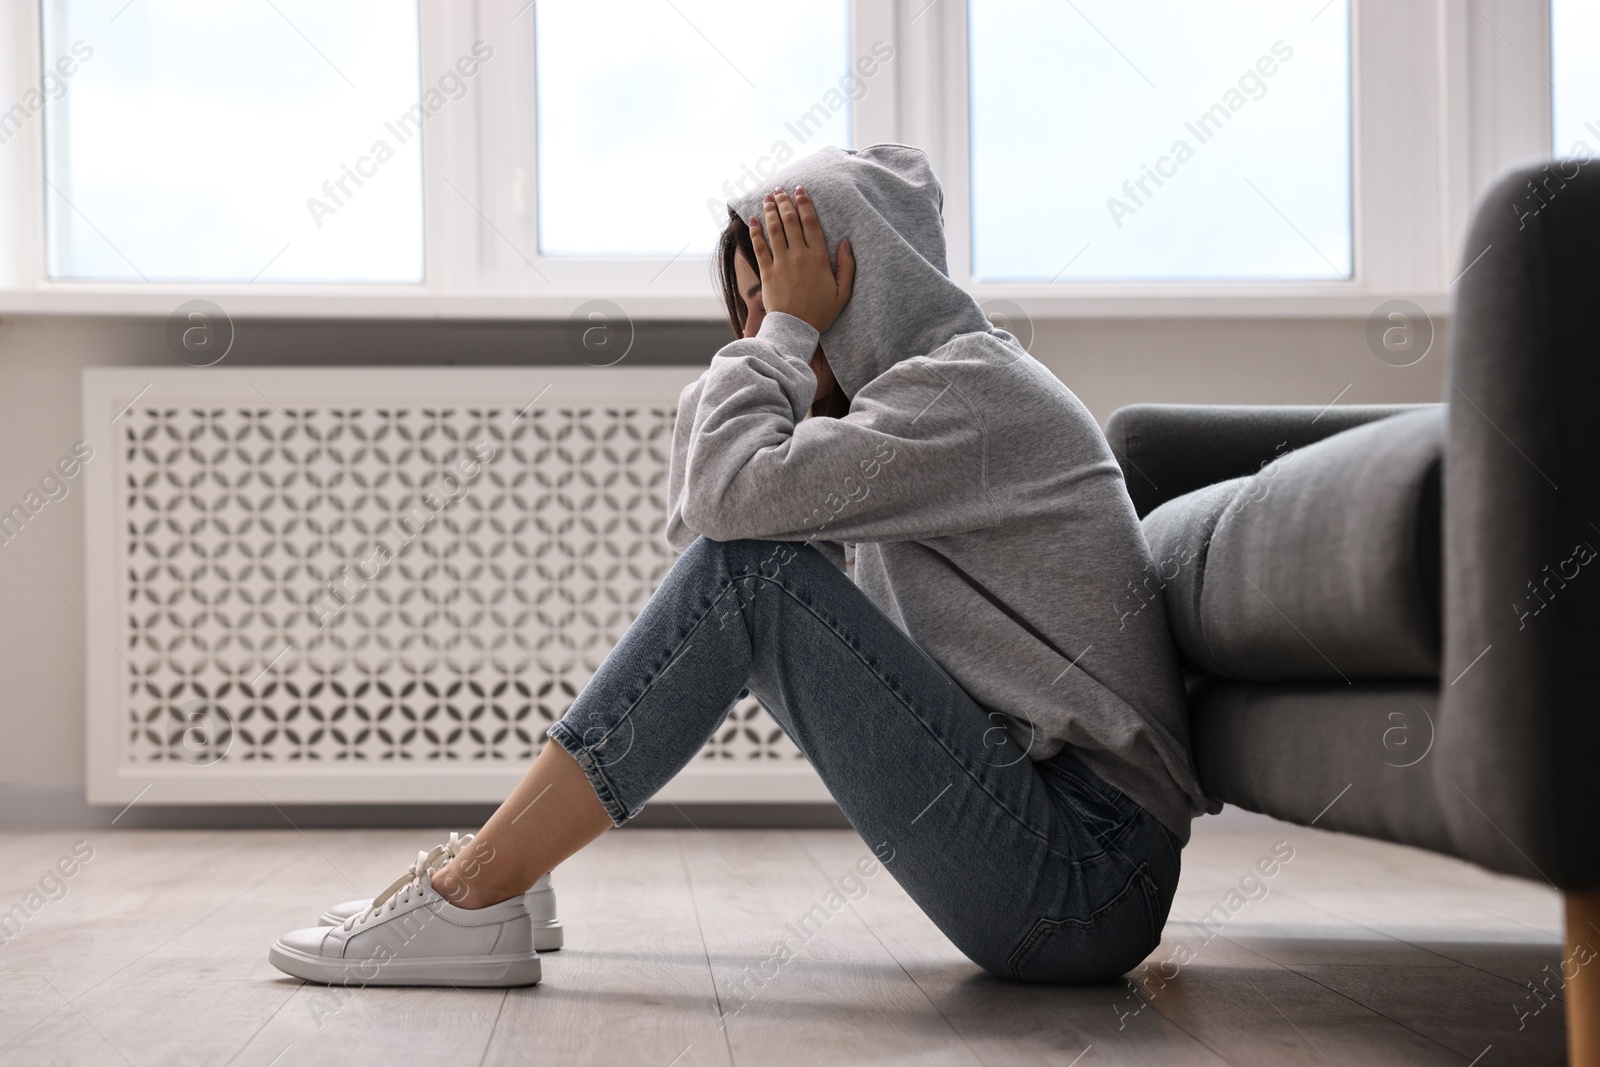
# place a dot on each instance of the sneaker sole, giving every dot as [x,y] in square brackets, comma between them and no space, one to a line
[495,972]
[547,936]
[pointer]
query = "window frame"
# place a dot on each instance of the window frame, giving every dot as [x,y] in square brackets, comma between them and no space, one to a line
[646,286]
[1474,79]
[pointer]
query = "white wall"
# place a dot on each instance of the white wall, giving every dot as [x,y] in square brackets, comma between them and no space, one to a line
[1108,363]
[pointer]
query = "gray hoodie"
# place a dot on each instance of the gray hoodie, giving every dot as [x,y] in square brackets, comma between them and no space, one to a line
[988,516]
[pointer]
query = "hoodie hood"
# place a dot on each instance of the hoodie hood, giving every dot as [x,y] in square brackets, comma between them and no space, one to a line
[886,200]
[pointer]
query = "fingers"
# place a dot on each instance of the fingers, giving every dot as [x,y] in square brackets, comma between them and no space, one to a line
[791,250]
[793,232]
[775,233]
[810,225]
[844,275]
[758,241]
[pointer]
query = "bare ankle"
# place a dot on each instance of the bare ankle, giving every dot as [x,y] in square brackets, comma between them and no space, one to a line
[469,895]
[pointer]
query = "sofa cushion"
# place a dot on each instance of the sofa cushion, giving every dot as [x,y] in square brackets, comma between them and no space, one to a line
[1322,566]
[1354,758]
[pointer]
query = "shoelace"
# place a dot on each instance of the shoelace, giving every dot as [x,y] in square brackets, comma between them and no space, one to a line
[401,889]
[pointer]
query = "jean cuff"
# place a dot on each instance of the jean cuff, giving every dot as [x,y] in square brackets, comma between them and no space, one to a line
[562,735]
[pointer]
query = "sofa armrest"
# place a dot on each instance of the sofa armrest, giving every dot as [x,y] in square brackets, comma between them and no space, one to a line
[1519,725]
[1167,450]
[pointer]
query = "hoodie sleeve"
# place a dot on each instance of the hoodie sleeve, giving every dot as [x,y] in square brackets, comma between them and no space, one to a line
[909,462]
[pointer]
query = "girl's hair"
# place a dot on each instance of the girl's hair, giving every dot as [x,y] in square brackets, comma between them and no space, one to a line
[735,241]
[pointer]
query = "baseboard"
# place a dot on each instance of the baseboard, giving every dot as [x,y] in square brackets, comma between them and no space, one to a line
[58,807]
[63,807]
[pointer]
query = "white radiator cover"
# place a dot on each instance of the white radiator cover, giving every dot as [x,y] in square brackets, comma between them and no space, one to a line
[248,642]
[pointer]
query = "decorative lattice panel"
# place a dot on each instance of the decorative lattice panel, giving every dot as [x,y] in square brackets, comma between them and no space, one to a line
[392,583]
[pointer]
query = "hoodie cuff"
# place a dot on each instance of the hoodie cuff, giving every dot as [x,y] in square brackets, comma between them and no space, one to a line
[789,335]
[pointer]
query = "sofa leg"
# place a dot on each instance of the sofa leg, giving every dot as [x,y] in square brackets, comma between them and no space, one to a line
[1582,990]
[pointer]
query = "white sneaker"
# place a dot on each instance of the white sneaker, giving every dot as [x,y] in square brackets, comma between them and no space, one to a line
[540,900]
[412,936]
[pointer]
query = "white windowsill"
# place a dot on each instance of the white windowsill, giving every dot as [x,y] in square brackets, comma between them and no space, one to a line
[1105,301]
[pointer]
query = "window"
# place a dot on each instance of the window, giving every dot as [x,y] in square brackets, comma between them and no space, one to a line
[1575,81]
[650,115]
[191,141]
[1099,157]
[1159,140]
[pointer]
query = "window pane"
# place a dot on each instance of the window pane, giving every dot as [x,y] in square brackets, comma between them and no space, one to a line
[1160,139]
[651,115]
[193,141]
[1575,93]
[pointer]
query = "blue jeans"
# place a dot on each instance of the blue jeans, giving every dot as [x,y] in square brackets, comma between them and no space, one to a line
[1037,871]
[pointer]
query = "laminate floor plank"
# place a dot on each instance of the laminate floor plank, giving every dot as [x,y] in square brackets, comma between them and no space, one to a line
[84,964]
[1255,1013]
[332,1025]
[327,1026]
[147,966]
[725,948]
[1408,911]
[1287,930]
[1479,939]
[140,890]
[1462,1008]
[1351,890]
[633,984]
[801,977]
[1003,1022]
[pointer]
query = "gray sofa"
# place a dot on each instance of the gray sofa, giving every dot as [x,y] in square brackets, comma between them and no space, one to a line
[1390,616]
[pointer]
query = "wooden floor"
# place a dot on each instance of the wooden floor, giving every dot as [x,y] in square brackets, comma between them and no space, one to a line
[1359,954]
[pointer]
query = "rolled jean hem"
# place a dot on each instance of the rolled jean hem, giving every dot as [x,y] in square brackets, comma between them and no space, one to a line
[562,735]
